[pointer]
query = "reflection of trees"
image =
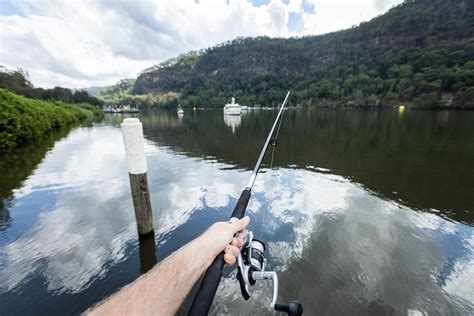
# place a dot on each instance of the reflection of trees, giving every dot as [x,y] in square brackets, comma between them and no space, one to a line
[204,133]
[17,165]
[4,218]
[115,119]
[424,158]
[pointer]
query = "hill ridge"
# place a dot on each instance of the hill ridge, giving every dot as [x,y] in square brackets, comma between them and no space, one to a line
[420,52]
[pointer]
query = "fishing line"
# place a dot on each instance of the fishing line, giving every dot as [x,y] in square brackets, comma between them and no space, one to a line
[274,143]
[251,262]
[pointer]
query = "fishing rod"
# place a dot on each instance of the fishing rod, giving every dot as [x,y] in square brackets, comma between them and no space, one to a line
[251,262]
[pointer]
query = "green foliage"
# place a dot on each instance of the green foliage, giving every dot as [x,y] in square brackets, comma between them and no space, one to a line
[420,53]
[93,91]
[124,86]
[121,94]
[96,113]
[17,81]
[183,60]
[23,119]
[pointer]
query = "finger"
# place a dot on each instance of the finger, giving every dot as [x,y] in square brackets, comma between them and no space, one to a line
[233,250]
[229,259]
[241,224]
[237,241]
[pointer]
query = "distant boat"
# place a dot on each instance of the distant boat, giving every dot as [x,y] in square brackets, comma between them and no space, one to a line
[122,109]
[244,108]
[128,109]
[233,108]
[108,109]
[180,111]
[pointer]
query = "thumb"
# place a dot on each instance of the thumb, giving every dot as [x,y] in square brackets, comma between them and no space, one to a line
[240,225]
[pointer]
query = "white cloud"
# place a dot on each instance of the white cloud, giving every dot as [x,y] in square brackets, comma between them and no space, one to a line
[335,15]
[85,43]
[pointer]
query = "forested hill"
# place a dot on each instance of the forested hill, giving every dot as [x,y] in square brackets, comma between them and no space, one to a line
[420,53]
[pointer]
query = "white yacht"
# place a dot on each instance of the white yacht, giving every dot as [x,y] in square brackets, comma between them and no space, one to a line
[232,108]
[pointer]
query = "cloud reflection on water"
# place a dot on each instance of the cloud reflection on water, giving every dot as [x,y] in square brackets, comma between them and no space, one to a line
[91,218]
[349,246]
[89,221]
[331,240]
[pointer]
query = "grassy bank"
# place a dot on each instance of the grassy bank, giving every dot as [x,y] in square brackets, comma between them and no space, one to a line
[23,120]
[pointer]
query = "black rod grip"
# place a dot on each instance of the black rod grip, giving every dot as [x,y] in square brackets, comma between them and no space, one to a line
[207,290]
[241,206]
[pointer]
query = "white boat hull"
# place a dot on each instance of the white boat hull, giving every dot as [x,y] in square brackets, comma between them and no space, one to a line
[234,110]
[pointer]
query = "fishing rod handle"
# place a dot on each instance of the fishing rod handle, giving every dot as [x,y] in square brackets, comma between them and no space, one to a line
[207,290]
[241,206]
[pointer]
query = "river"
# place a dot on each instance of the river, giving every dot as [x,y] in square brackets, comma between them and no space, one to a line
[365,212]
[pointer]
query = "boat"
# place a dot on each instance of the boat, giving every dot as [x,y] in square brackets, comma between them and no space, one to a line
[251,262]
[180,111]
[128,109]
[108,109]
[233,108]
[244,108]
[122,109]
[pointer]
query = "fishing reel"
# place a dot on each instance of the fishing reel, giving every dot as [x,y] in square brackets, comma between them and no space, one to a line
[251,265]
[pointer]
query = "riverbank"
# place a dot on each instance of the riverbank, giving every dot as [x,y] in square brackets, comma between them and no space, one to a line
[24,120]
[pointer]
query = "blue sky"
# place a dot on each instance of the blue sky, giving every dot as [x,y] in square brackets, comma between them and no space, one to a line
[81,43]
[8,7]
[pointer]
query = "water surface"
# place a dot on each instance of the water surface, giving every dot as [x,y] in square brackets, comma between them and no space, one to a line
[365,212]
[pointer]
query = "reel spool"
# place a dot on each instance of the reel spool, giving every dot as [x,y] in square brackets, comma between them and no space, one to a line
[251,265]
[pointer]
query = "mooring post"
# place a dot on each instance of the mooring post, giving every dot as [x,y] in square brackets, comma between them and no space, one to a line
[132,132]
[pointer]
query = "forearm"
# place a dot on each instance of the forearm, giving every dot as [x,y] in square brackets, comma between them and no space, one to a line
[163,289]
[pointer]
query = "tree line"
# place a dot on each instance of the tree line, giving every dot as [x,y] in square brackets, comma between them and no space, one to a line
[17,81]
[420,53]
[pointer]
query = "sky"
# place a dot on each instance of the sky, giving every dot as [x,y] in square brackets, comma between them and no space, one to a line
[84,43]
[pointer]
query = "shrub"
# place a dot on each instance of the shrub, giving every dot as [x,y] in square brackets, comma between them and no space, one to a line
[23,119]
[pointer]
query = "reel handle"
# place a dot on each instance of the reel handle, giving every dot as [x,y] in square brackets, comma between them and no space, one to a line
[293,308]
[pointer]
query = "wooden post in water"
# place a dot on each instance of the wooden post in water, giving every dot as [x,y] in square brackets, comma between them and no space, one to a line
[132,132]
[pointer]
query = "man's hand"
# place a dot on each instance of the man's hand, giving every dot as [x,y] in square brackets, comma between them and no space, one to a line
[163,289]
[220,236]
